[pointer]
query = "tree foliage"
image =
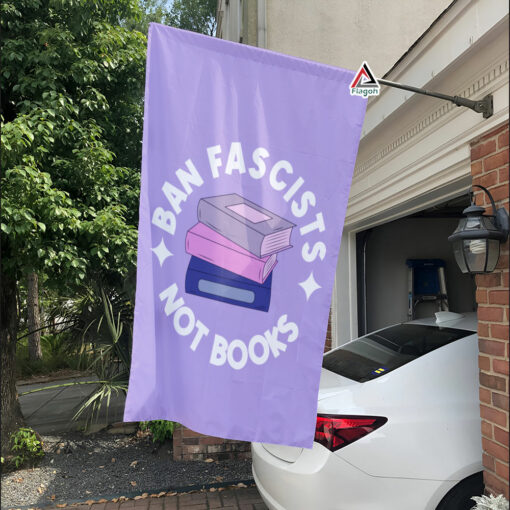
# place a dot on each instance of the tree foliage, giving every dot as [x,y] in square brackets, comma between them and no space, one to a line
[152,11]
[195,15]
[72,84]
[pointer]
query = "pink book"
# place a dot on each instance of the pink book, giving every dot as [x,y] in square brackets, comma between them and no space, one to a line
[205,243]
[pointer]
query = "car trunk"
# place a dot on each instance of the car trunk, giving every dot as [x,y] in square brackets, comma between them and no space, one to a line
[330,384]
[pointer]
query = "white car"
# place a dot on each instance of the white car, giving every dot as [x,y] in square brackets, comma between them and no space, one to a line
[398,425]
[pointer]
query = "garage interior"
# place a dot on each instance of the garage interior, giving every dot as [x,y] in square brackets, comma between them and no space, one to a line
[382,272]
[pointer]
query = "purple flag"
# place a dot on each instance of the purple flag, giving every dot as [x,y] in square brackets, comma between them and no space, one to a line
[247,164]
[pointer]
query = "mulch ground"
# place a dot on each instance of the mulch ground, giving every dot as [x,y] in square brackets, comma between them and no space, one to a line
[104,466]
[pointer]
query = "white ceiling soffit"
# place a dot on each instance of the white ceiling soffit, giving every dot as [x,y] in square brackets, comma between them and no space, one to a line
[414,145]
[459,31]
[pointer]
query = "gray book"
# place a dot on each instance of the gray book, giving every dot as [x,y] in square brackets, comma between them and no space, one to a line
[250,226]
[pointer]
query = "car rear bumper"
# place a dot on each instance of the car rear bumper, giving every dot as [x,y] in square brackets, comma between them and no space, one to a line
[322,480]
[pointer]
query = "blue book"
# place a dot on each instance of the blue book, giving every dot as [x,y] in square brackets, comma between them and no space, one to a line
[207,280]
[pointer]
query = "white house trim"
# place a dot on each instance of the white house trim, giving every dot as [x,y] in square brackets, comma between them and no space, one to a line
[467,25]
[415,150]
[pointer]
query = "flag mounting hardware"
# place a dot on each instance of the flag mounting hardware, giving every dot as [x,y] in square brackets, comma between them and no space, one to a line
[483,106]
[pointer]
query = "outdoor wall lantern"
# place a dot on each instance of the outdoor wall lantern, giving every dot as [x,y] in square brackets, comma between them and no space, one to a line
[477,238]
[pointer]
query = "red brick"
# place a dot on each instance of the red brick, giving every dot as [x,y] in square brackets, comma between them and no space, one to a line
[476,168]
[495,485]
[493,381]
[481,296]
[493,415]
[187,441]
[502,469]
[501,436]
[490,313]
[495,160]
[503,175]
[500,193]
[491,347]
[490,280]
[479,197]
[195,449]
[485,396]
[488,462]
[501,401]
[487,179]
[211,440]
[498,297]
[503,261]
[495,449]
[487,429]
[483,149]
[503,140]
[505,277]
[484,363]
[494,132]
[170,502]
[501,366]
[483,329]
[189,433]
[499,331]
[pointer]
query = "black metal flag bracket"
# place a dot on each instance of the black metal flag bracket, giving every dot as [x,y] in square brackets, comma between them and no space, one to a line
[483,106]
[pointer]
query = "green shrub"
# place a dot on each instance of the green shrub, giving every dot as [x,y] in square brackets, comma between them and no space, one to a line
[160,429]
[59,352]
[26,446]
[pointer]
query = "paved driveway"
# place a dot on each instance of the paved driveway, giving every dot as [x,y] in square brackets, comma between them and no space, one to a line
[231,499]
[51,411]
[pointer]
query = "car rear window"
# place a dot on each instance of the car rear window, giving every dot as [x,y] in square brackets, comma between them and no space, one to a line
[379,353]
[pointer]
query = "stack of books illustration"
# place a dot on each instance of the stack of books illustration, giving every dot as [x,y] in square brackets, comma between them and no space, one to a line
[233,250]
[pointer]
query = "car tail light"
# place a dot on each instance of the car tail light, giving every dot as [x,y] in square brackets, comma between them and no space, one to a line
[336,431]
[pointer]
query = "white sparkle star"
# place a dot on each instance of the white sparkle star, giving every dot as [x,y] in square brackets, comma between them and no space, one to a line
[162,252]
[310,286]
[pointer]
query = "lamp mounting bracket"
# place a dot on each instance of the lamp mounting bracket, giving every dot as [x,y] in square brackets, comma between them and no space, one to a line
[500,215]
[484,106]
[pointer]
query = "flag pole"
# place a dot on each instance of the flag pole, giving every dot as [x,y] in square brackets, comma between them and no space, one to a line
[484,105]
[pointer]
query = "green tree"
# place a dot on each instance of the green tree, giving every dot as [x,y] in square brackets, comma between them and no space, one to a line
[152,11]
[195,15]
[72,83]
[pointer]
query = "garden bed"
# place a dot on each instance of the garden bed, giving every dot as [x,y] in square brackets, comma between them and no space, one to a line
[104,465]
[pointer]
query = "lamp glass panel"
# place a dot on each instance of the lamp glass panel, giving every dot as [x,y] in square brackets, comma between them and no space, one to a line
[475,251]
[461,226]
[473,223]
[488,224]
[493,254]
[459,255]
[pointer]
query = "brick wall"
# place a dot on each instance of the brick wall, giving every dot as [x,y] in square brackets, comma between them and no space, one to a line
[489,168]
[190,445]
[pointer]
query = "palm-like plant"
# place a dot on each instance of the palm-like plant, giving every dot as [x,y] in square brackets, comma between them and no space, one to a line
[110,353]
[99,321]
